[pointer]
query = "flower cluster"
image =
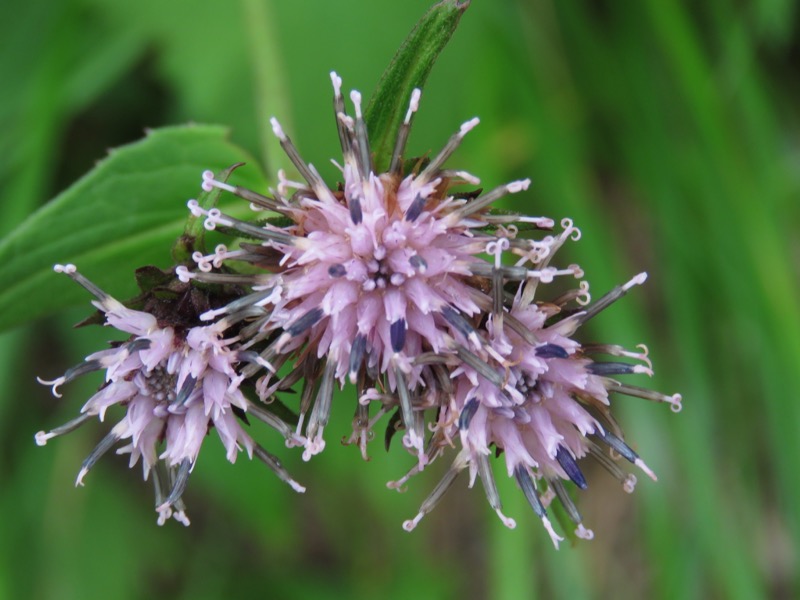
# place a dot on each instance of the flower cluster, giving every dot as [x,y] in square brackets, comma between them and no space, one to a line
[409,286]
[175,383]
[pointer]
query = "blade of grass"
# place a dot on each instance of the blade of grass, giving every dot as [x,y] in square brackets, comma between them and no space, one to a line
[271,89]
[409,69]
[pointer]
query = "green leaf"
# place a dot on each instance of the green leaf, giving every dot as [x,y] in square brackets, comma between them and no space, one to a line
[124,214]
[409,69]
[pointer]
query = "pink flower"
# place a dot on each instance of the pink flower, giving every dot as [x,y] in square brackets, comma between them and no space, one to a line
[383,280]
[175,384]
[541,398]
[364,278]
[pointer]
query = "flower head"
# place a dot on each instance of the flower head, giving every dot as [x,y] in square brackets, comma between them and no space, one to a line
[370,275]
[427,299]
[175,384]
[539,397]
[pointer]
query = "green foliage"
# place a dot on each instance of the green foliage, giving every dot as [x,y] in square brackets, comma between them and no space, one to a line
[409,69]
[121,216]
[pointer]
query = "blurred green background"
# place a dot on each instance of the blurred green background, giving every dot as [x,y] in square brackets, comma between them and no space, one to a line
[667,130]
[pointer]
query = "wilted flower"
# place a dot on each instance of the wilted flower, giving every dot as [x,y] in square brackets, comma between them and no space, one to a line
[175,383]
[384,281]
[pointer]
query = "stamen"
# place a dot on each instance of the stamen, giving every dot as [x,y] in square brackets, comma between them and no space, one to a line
[285,184]
[482,368]
[496,249]
[186,390]
[569,232]
[538,222]
[490,488]
[356,214]
[469,410]
[583,533]
[54,384]
[547,497]
[415,209]
[455,140]
[282,384]
[106,302]
[254,363]
[429,358]
[158,486]
[551,351]
[365,161]
[357,350]
[521,330]
[308,320]
[617,368]
[362,430]
[570,466]
[245,302]
[337,270]
[489,198]
[625,451]
[628,480]
[466,177]
[350,126]
[584,297]
[414,432]
[259,201]
[520,273]
[215,217]
[397,333]
[291,151]
[180,516]
[71,374]
[399,484]
[611,297]
[675,401]
[629,484]
[179,512]
[209,183]
[614,350]
[274,463]
[185,276]
[497,298]
[580,295]
[275,422]
[525,482]
[566,501]
[438,492]
[320,413]
[179,477]
[413,105]
[418,263]
[311,370]
[461,325]
[339,109]
[137,345]
[104,446]
[41,437]
[402,135]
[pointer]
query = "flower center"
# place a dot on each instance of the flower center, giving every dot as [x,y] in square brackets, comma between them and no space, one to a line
[379,275]
[159,385]
[526,384]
